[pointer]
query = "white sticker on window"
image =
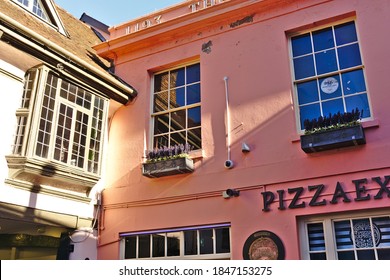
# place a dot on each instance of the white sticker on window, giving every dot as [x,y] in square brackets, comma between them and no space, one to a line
[329,85]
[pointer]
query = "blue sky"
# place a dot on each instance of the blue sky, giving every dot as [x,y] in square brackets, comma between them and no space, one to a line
[114,12]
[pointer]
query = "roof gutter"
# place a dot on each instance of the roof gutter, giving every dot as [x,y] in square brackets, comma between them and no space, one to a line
[121,92]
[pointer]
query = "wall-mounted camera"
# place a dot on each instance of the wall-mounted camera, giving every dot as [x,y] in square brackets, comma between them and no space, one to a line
[229,164]
[230,193]
[245,148]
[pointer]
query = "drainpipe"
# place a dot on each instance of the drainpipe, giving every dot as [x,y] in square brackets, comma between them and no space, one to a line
[228,163]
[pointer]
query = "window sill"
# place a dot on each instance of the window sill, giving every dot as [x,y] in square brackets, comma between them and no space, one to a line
[42,172]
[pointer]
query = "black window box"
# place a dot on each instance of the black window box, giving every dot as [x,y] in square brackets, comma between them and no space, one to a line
[333,139]
[167,167]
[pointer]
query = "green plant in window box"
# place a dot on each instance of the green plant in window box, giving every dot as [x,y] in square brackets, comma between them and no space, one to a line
[332,132]
[167,161]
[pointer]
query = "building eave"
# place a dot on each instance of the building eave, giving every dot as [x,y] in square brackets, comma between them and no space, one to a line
[21,37]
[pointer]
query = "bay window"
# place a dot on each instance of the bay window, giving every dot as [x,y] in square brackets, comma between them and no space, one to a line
[60,128]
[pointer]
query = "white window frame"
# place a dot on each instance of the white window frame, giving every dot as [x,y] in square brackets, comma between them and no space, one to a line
[329,235]
[186,107]
[49,10]
[319,76]
[26,142]
[180,231]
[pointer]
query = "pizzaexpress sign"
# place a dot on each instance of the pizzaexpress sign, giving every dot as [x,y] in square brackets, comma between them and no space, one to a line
[313,196]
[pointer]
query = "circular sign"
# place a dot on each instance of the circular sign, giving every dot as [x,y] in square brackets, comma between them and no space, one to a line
[329,85]
[263,245]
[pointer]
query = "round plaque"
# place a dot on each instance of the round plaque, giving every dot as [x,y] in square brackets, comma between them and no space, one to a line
[263,245]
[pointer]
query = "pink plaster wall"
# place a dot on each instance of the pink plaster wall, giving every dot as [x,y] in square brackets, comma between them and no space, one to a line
[255,58]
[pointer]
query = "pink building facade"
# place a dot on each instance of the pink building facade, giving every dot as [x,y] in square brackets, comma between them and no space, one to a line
[236,80]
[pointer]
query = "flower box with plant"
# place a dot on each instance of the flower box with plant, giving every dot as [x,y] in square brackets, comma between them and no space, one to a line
[333,132]
[168,161]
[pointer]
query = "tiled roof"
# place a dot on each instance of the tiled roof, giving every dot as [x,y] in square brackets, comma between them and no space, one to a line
[80,37]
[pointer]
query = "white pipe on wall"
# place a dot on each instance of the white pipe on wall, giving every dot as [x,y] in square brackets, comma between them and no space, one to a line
[228,162]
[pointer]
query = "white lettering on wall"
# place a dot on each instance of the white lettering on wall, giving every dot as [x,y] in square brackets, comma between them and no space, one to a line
[159,19]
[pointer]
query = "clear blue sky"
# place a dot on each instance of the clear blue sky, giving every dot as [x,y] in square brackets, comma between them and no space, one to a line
[114,12]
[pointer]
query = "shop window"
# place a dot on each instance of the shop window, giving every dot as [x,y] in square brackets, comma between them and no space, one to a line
[328,72]
[211,242]
[177,107]
[60,128]
[356,238]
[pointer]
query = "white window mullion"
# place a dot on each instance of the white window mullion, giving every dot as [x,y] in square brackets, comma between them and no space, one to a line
[42,76]
[29,124]
[71,138]
[374,247]
[55,121]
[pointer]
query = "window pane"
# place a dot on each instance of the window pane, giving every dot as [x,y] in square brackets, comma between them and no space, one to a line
[161,141]
[316,237]
[326,62]
[177,98]
[193,73]
[160,102]
[178,120]
[345,33]
[161,82]
[349,56]
[64,132]
[158,245]
[206,241]
[362,233]
[332,107]
[346,255]
[193,94]
[301,45]
[323,39]
[382,229]
[353,82]
[343,235]
[130,247]
[330,87]
[177,78]
[384,254]
[161,124]
[190,242]
[318,256]
[307,92]
[304,67]
[223,240]
[144,246]
[173,244]
[194,138]
[358,101]
[366,255]
[194,117]
[178,138]
[309,112]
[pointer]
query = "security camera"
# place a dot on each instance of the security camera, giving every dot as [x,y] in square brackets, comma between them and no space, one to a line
[230,193]
[229,164]
[245,148]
